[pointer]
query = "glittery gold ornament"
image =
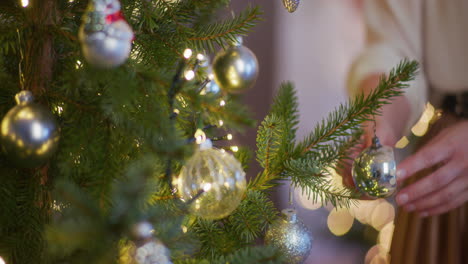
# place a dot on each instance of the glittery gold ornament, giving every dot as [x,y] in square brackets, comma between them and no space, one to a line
[291,236]
[374,171]
[106,38]
[216,177]
[291,5]
[235,69]
[29,132]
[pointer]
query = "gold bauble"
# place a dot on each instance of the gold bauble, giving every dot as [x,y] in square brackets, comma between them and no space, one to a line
[291,5]
[220,179]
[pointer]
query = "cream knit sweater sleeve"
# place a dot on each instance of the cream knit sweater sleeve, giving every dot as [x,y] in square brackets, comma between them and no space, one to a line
[393,33]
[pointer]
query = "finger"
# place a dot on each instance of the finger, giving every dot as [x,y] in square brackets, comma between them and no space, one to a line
[440,197]
[428,156]
[455,203]
[435,181]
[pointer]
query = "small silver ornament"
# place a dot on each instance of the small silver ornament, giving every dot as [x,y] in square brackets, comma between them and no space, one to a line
[29,132]
[236,68]
[148,250]
[374,171]
[291,236]
[291,5]
[106,38]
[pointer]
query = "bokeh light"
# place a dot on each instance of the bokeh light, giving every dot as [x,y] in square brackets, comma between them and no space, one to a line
[340,222]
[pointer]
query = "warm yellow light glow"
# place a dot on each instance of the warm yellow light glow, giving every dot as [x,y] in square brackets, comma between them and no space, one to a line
[200,57]
[420,128]
[235,148]
[187,53]
[206,187]
[221,123]
[78,64]
[189,75]
[229,136]
[385,236]
[339,222]
[222,103]
[200,136]
[24,3]
[307,203]
[376,255]
[59,109]
[403,142]
[176,111]
[363,210]
[382,214]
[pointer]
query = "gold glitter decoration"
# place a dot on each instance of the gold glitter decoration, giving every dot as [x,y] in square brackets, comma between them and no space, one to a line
[291,5]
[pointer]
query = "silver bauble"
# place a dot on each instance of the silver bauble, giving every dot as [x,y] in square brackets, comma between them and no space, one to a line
[148,250]
[291,236]
[106,38]
[152,252]
[291,5]
[374,171]
[236,68]
[220,178]
[29,132]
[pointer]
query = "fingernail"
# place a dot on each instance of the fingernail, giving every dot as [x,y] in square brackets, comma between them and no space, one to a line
[410,208]
[402,198]
[400,173]
[423,214]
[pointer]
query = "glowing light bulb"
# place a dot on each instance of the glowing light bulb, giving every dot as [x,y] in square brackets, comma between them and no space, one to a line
[206,187]
[24,3]
[235,148]
[229,136]
[189,75]
[221,123]
[222,103]
[200,57]
[187,53]
[200,136]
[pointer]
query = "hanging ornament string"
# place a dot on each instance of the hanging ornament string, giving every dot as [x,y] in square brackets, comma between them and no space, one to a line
[291,198]
[20,64]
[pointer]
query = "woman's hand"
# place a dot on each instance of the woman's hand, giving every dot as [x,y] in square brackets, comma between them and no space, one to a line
[445,188]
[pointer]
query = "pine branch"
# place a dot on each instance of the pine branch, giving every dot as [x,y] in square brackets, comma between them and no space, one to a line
[253,255]
[311,176]
[252,217]
[362,108]
[222,32]
[269,143]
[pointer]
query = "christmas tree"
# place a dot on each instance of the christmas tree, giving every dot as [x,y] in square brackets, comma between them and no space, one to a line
[126,182]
